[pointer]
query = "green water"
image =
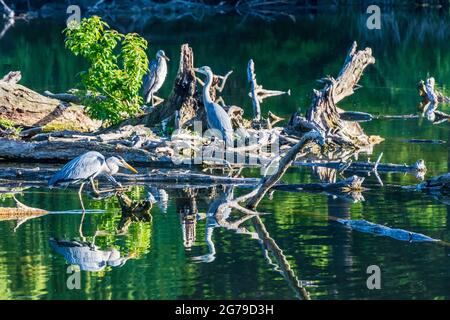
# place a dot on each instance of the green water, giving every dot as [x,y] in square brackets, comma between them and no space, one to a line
[330,259]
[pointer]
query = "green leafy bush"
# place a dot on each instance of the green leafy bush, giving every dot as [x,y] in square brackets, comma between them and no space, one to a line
[117,64]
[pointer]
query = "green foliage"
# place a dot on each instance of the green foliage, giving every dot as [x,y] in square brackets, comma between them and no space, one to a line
[117,65]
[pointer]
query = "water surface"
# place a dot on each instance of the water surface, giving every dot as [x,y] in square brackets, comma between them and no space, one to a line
[328,258]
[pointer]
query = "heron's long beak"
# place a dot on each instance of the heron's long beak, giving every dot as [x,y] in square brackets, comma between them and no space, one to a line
[129,167]
[165,57]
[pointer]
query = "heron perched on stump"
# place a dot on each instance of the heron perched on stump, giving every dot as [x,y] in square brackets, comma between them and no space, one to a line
[85,168]
[155,77]
[216,116]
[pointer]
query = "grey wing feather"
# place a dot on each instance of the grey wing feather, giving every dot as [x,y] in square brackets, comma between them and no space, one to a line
[222,122]
[81,168]
[150,78]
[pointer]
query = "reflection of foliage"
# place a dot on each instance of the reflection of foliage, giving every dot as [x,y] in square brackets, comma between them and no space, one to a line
[5,196]
[116,76]
[138,239]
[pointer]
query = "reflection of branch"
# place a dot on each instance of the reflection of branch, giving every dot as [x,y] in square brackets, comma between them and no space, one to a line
[285,268]
[9,23]
[9,13]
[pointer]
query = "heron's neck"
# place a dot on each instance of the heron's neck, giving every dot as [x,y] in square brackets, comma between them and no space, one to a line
[206,96]
[112,167]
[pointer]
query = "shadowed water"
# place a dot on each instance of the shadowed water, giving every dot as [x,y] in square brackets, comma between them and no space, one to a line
[153,260]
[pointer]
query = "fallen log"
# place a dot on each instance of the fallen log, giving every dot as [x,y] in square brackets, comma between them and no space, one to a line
[366,166]
[40,176]
[27,108]
[353,183]
[380,230]
[62,151]
[440,183]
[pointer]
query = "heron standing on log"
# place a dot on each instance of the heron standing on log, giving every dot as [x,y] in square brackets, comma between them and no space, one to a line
[85,168]
[216,116]
[155,77]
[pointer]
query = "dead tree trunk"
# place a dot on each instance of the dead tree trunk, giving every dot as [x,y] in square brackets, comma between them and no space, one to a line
[183,98]
[323,114]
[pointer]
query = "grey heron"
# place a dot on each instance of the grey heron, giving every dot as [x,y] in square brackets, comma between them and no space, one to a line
[87,167]
[155,77]
[216,116]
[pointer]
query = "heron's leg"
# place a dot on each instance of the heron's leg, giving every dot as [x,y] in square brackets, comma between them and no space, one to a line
[151,100]
[84,211]
[94,187]
[81,197]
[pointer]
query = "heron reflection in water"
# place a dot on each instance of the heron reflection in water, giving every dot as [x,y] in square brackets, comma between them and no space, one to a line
[218,216]
[87,255]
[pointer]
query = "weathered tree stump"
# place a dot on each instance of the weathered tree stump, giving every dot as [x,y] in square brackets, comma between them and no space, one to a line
[324,115]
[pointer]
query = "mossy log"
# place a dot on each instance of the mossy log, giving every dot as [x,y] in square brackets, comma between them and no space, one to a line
[27,108]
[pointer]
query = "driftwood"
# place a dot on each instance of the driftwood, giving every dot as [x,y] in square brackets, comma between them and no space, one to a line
[284,163]
[380,230]
[440,183]
[61,151]
[353,183]
[349,189]
[258,94]
[324,116]
[365,166]
[27,108]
